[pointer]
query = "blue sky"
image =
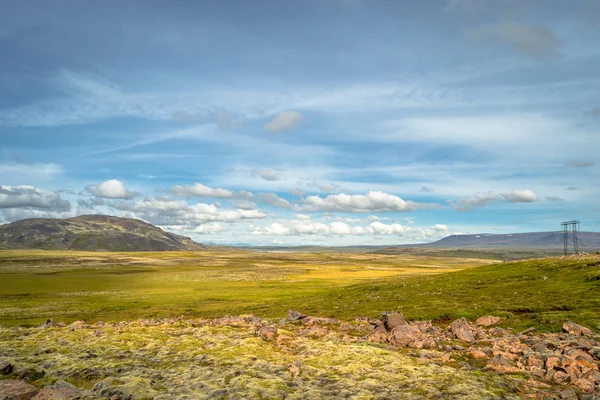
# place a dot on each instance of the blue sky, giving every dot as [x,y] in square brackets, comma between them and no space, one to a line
[336,122]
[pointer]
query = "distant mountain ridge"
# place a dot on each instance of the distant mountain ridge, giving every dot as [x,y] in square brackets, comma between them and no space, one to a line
[588,241]
[92,233]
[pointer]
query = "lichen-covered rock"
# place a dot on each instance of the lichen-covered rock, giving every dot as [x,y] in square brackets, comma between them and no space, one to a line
[577,330]
[62,390]
[462,330]
[392,320]
[487,320]
[16,390]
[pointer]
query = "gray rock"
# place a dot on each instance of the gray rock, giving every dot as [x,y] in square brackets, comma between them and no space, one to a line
[16,390]
[293,315]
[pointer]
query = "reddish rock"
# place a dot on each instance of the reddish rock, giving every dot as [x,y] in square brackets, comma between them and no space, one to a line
[476,353]
[60,390]
[577,330]
[501,364]
[462,330]
[267,332]
[16,390]
[487,320]
[392,320]
[410,335]
[379,334]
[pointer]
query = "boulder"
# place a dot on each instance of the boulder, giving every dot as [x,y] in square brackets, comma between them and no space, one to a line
[577,330]
[462,330]
[16,390]
[61,390]
[293,315]
[411,336]
[379,334]
[487,320]
[392,320]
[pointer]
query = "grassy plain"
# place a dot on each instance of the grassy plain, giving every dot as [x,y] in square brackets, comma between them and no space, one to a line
[438,285]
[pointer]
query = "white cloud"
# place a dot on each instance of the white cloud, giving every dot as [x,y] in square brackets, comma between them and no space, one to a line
[284,120]
[274,200]
[200,190]
[267,174]
[298,192]
[208,229]
[338,228]
[372,201]
[483,199]
[32,197]
[387,229]
[519,196]
[165,211]
[112,189]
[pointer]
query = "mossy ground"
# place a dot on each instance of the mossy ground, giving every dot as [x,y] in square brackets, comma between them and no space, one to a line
[196,360]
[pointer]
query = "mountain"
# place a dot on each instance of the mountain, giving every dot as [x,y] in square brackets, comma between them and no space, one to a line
[532,240]
[92,233]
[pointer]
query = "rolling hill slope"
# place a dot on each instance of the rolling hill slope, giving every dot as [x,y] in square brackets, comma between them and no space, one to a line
[91,233]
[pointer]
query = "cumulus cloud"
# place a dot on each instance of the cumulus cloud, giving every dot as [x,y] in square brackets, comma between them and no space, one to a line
[112,189]
[300,227]
[538,42]
[519,196]
[267,174]
[298,192]
[32,197]
[283,121]
[208,229]
[483,199]
[166,211]
[200,190]
[274,200]
[371,202]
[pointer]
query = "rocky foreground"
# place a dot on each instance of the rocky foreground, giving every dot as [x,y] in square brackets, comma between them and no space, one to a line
[301,357]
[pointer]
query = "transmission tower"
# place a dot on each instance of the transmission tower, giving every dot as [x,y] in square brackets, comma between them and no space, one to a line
[574,225]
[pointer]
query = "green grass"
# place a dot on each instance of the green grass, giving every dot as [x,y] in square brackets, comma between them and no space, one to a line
[35,285]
